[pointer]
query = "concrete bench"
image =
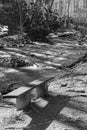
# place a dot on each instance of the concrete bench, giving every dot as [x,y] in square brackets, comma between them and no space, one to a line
[21,97]
[23,94]
[41,86]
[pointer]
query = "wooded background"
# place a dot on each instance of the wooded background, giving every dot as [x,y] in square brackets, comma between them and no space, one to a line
[71,7]
[74,8]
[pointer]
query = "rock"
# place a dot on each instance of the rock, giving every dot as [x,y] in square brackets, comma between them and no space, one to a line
[3,30]
[64,85]
[1,46]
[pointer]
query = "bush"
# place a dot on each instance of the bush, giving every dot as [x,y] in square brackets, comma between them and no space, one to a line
[14,61]
[40,21]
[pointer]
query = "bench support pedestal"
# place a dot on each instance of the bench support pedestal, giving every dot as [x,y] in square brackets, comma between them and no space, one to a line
[23,101]
[42,91]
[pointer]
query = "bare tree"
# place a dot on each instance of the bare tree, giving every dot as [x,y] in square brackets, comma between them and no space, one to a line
[21,23]
[51,4]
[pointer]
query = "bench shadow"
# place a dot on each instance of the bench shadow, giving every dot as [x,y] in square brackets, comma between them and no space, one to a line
[42,117]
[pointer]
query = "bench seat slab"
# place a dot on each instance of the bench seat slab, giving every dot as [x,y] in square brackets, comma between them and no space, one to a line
[18,92]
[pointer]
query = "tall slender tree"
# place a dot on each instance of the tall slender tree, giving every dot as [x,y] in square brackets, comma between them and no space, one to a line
[20,14]
[52,4]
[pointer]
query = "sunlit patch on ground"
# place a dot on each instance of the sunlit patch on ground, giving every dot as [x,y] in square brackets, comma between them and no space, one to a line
[58,125]
[38,67]
[1,74]
[75,113]
[15,49]
[10,118]
[17,54]
[4,54]
[10,70]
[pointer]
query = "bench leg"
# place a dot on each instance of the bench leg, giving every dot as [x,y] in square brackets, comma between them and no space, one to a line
[22,101]
[42,91]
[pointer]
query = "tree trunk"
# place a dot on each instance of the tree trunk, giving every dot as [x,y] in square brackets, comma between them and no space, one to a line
[51,4]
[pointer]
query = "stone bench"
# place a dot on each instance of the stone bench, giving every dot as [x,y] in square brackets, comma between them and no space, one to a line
[22,96]
[41,86]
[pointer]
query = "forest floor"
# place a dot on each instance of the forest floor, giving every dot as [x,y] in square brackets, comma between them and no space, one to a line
[67,109]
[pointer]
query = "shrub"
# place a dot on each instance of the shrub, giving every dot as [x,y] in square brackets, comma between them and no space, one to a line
[14,61]
[40,21]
